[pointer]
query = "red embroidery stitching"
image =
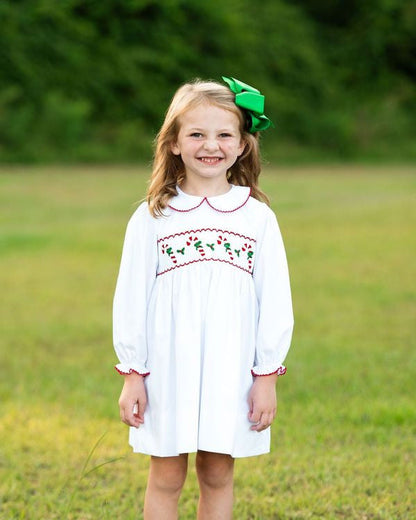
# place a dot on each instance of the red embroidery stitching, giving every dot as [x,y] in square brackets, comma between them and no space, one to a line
[281,371]
[229,210]
[205,229]
[203,260]
[250,253]
[205,199]
[190,209]
[169,251]
[222,239]
[196,243]
[131,371]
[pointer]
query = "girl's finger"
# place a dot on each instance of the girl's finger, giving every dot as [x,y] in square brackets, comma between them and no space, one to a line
[128,417]
[254,416]
[140,409]
[257,423]
[137,414]
[264,423]
[124,416]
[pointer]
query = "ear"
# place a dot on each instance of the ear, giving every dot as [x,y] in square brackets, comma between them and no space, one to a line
[174,148]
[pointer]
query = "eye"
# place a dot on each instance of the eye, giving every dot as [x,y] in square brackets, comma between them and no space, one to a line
[225,134]
[196,134]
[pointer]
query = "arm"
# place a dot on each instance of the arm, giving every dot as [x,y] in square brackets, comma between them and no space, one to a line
[275,324]
[271,280]
[134,284]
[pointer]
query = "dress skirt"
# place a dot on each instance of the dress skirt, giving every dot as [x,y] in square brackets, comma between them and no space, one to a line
[201,350]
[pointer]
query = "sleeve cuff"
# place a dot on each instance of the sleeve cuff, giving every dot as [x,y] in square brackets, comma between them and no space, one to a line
[125,370]
[268,370]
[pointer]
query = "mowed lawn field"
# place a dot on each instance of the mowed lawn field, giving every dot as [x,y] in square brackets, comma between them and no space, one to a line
[344,441]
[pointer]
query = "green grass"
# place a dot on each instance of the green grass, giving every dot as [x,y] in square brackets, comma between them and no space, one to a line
[344,441]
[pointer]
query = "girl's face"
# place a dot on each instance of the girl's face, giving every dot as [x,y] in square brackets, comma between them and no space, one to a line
[209,142]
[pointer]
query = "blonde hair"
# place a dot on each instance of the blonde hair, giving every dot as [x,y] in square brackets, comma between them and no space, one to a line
[168,168]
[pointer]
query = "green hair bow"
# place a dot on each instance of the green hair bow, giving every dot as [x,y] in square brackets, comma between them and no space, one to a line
[249,99]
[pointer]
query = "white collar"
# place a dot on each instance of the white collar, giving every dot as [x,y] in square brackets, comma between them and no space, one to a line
[228,202]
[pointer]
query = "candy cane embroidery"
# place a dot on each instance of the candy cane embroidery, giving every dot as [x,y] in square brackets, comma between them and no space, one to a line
[197,244]
[250,253]
[199,247]
[224,240]
[169,251]
[210,245]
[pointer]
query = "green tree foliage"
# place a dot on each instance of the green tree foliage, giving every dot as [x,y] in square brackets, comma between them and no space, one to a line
[90,80]
[370,48]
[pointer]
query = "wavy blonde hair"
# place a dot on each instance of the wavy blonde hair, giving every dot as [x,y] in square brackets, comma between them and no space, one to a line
[168,168]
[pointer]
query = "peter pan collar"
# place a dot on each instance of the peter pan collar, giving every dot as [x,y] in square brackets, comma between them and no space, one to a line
[228,202]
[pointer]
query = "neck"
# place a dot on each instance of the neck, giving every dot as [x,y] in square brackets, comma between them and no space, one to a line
[205,187]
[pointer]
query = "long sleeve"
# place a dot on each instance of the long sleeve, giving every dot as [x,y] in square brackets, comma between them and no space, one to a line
[271,278]
[134,284]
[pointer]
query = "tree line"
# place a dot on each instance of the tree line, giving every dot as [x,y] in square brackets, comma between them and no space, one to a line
[86,80]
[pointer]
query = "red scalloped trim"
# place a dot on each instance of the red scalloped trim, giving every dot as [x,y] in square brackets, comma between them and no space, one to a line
[190,209]
[205,199]
[206,229]
[203,260]
[229,210]
[130,372]
[281,371]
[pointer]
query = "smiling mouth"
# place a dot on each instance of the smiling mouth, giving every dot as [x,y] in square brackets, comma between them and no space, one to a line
[210,160]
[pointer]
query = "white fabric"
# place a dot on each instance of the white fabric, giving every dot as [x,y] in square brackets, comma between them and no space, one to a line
[202,299]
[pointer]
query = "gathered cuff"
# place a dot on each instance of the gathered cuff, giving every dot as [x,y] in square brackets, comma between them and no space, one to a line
[268,370]
[125,370]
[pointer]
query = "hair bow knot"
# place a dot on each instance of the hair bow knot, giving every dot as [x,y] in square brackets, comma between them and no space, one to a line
[249,99]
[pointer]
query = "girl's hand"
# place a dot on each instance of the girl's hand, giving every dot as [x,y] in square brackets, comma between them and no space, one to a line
[262,402]
[133,400]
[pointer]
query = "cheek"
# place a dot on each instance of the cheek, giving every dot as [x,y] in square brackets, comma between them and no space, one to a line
[190,146]
[234,149]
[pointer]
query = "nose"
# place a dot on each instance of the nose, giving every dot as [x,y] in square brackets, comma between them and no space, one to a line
[211,145]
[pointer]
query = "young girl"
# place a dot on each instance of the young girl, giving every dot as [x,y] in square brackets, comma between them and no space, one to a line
[202,309]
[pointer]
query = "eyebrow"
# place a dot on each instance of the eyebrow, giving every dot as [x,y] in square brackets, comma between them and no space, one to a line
[195,129]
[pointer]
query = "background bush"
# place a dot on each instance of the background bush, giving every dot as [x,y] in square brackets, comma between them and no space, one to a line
[84,80]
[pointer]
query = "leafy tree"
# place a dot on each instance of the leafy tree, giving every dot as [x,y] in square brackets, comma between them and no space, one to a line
[90,80]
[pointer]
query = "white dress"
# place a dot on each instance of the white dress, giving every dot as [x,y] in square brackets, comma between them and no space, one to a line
[202,305]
